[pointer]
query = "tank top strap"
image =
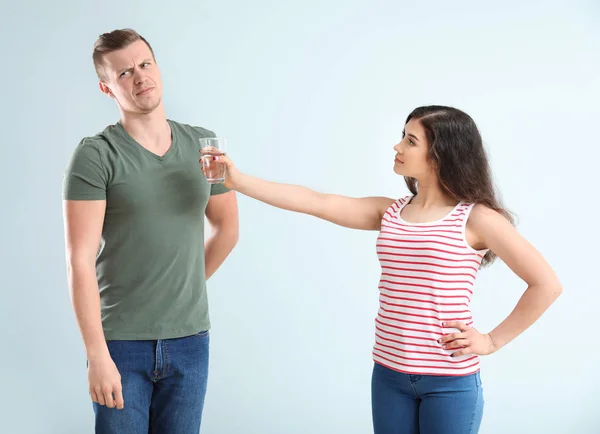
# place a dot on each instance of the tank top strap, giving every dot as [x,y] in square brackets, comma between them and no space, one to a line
[459,214]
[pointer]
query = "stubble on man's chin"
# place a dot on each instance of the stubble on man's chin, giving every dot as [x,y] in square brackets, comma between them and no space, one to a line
[150,108]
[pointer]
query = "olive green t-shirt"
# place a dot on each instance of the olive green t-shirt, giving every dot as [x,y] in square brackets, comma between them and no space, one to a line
[150,262]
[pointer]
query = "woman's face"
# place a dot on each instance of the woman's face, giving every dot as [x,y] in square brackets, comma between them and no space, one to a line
[411,153]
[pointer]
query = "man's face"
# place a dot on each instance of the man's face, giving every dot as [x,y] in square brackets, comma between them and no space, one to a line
[132,78]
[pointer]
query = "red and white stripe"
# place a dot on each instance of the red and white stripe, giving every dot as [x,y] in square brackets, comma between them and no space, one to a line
[427,276]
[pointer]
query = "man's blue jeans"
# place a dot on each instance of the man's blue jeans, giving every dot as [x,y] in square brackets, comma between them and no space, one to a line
[164,384]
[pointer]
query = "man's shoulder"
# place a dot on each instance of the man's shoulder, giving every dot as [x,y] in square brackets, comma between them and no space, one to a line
[99,140]
[95,147]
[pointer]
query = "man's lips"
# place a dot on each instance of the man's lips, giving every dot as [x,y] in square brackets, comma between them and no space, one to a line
[145,91]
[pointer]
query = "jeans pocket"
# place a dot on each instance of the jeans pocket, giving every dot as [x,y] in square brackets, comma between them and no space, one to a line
[202,334]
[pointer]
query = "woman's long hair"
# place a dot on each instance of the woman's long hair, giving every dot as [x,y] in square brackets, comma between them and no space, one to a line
[459,159]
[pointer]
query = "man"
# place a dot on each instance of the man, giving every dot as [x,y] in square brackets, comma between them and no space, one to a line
[135,199]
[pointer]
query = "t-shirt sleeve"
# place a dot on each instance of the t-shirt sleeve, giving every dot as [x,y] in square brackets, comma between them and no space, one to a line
[85,177]
[218,189]
[214,188]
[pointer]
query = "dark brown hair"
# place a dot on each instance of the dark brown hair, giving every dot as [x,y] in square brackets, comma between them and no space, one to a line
[459,159]
[113,41]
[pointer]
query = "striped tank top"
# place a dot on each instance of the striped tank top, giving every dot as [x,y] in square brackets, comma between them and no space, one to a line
[427,276]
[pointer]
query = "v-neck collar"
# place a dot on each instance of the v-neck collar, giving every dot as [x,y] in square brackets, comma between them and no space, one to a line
[146,151]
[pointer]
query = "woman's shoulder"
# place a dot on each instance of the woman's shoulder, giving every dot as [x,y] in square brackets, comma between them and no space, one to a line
[483,217]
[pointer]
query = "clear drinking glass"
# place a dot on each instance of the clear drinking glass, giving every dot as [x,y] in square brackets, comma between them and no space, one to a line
[210,148]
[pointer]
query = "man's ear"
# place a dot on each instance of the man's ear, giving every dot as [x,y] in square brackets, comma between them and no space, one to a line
[105,89]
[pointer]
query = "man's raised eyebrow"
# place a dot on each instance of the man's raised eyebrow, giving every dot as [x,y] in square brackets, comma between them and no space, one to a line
[122,70]
[128,68]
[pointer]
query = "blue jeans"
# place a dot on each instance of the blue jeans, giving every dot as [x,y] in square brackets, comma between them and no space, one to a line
[425,404]
[164,384]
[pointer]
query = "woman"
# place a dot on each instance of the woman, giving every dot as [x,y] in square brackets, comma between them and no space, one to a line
[430,246]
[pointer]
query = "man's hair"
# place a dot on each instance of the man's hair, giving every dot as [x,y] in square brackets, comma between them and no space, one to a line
[113,41]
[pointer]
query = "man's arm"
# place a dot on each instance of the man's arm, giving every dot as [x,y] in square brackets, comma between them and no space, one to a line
[83,221]
[222,215]
[83,225]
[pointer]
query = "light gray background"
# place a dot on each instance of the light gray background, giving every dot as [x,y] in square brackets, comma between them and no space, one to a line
[314,93]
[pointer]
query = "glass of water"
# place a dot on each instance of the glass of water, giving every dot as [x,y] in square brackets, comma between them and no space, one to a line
[211,148]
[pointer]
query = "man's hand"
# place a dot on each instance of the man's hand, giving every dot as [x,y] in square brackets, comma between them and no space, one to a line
[105,383]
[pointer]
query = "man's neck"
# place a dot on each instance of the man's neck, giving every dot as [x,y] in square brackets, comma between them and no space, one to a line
[151,130]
